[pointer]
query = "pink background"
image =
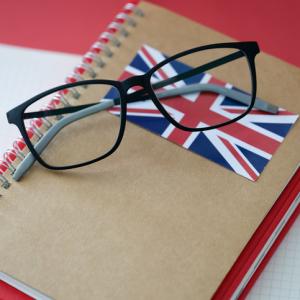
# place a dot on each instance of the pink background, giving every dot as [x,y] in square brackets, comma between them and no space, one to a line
[71,26]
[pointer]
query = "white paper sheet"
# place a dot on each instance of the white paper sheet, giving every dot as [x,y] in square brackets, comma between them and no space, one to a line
[23,74]
[281,277]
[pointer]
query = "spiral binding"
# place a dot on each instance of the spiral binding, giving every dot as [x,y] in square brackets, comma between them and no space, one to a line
[87,69]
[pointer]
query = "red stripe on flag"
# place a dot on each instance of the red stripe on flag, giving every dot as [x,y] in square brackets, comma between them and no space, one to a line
[190,119]
[145,111]
[237,111]
[154,63]
[149,57]
[125,75]
[239,159]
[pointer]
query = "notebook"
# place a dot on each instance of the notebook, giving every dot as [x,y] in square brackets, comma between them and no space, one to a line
[135,240]
[281,275]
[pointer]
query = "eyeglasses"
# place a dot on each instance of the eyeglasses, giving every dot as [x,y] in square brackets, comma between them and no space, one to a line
[71,122]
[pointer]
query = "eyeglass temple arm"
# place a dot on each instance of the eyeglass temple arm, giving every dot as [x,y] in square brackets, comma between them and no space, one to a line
[208,87]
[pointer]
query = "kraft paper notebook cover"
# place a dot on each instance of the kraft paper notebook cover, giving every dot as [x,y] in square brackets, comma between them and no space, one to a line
[144,223]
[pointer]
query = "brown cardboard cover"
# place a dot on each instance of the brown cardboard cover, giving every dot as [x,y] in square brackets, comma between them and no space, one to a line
[153,221]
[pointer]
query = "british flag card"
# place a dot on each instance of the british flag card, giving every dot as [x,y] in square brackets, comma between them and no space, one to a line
[244,147]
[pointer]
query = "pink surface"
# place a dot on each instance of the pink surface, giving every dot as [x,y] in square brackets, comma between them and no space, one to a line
[274,24]
[71,26]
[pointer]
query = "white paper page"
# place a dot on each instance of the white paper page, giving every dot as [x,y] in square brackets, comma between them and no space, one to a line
[280,280]
[23,74]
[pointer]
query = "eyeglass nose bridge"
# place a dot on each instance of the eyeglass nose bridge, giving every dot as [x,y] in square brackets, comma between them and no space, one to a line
[138,80]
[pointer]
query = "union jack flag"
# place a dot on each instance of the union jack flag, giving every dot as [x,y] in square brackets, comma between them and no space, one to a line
[244,147]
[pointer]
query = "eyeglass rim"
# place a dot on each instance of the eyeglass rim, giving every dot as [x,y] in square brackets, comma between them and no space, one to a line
[250,49]
[16,118]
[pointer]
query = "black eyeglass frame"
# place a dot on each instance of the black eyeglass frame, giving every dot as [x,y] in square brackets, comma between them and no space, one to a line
[248,49]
